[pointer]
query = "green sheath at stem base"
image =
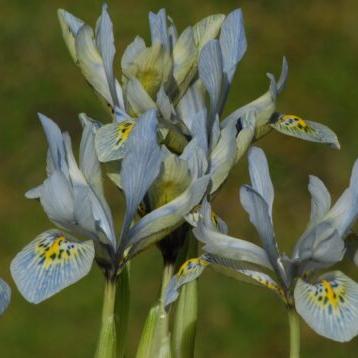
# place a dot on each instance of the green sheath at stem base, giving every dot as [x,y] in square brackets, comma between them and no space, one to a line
[107,342]
[294,322]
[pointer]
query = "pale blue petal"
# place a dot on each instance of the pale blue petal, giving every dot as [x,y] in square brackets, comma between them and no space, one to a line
[105,45]
[159,28]
[320,246]
[34,193]
[329,306]
[320,199]
[56,144]
[164,104]
[211,73]
[159,222]
[281,83]
[137,97]
[223,156]
[5,296]
[132,51]
[217,243]
[192,111]
[259,214]
[140,167]
[345,210]
[232,42]
[196,158]
[260,175]
[57,199]
[88,161]
[50,263]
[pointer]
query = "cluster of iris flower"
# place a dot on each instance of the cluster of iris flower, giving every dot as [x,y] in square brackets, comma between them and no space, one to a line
[168,148]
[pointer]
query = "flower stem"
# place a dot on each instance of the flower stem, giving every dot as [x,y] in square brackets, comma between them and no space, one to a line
[168,272]
[294,322]
[186,311]
[155,338]
[107,342]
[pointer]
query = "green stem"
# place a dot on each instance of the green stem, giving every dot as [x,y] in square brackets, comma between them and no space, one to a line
[122,309]
[168,272]
[107,340]
[186,311]
[155,338]
[294,322]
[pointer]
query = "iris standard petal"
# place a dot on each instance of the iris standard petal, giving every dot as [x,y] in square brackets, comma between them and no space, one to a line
[260,175]
[320,199]
[232,42]
[140,166]
[259,214]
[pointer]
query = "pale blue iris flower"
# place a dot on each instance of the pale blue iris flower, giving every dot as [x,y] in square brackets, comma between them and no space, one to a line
[327,302]
[73,199]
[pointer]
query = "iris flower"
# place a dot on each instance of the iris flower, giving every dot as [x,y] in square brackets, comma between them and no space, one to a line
[327,302]
[73,199]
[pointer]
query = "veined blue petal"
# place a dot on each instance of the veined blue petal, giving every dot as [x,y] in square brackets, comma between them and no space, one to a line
[232,42]
[211,73]
[50,263]
[320,199]
[105,45]
[88,161]
[217,243]
[158,223]
[132,51]
[260,175]
[159,28]
[196,158]
[57,156]
[345,211]
[259,214]
[192,112]
[222,157]
[5,296]
[329,306]
[57,199]
[140,166]
[319,246]
[137,97]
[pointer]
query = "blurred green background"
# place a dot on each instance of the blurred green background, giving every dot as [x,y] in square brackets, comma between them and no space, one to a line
[320,39]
